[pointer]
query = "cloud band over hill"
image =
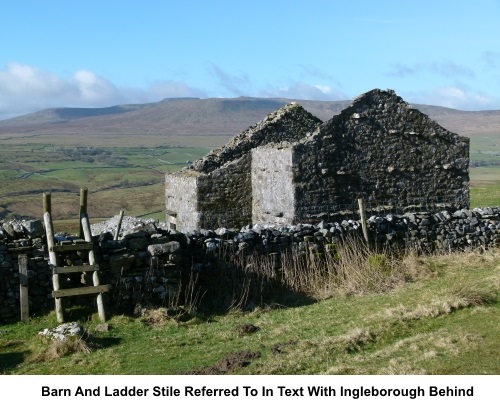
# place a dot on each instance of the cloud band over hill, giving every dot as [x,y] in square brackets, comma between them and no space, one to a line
[25,89]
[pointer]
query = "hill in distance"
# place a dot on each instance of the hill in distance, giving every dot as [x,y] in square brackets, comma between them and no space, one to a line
[211,116]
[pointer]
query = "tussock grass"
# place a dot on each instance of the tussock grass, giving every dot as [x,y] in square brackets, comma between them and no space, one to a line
[155,316]
[357,339]
[417,354]
[60,348]
[346,269]
[473,296]
[459,297]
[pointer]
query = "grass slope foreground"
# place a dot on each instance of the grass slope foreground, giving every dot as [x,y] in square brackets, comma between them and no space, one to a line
[433,315]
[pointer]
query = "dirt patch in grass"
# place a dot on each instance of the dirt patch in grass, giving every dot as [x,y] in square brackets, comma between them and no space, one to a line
[156,317]
[246,329]
[230,363]
[279,348]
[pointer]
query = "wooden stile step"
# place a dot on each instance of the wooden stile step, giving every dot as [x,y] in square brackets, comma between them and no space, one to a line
[74,269]
[72,248]
[69,292]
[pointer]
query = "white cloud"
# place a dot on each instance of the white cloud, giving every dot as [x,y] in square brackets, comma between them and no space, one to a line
[25,89]
[304,91]
[93,89]
[324,89]
[17,79]
[458,97]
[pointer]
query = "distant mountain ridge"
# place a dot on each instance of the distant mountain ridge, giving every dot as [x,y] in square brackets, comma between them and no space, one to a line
[221,116]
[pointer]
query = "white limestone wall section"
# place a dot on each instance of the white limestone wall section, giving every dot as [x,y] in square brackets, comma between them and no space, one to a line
[181,194]
[273,199]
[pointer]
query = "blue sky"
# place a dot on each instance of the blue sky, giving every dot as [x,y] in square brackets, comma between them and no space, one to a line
[100,53]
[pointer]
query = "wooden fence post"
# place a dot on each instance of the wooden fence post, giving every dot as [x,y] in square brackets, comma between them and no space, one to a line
[119,225]
[83,207]
[87,235]
[49,231]
[362,214]
[23,288]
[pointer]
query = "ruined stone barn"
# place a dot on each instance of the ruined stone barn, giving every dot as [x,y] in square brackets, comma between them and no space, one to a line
[379,148]
[218,187]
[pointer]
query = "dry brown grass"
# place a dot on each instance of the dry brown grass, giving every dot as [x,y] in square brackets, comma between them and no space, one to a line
[344,269]
[355,268]
[357,339]
[60,348]
[461,296]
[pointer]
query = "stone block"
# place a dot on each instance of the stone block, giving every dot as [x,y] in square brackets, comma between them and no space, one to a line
[164,248]
[121,263]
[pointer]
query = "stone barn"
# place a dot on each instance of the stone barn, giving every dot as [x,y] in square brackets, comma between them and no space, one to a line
[379,148]
[218,187]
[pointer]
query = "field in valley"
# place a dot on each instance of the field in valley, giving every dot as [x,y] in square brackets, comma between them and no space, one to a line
[130,177]
[485,169]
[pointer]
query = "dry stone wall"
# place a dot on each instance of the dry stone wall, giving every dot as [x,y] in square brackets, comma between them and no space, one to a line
[148,262]
[23,238]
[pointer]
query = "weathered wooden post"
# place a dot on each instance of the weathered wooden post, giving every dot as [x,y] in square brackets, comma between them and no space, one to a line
[362,215]
[23,288]
[49,231]
[119,225]
[83,207]
[85,223]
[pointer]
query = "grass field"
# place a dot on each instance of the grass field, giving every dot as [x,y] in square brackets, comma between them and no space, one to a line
[126,178]
[485,170]
[444,321]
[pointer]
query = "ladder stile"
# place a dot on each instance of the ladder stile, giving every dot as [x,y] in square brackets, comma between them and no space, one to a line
[76,245]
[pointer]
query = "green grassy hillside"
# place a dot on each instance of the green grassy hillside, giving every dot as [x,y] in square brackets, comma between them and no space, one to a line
[443,319]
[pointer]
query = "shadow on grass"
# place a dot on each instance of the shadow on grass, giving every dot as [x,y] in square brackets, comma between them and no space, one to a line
[217,307]
[103,342]
[79,313]
[11,360]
